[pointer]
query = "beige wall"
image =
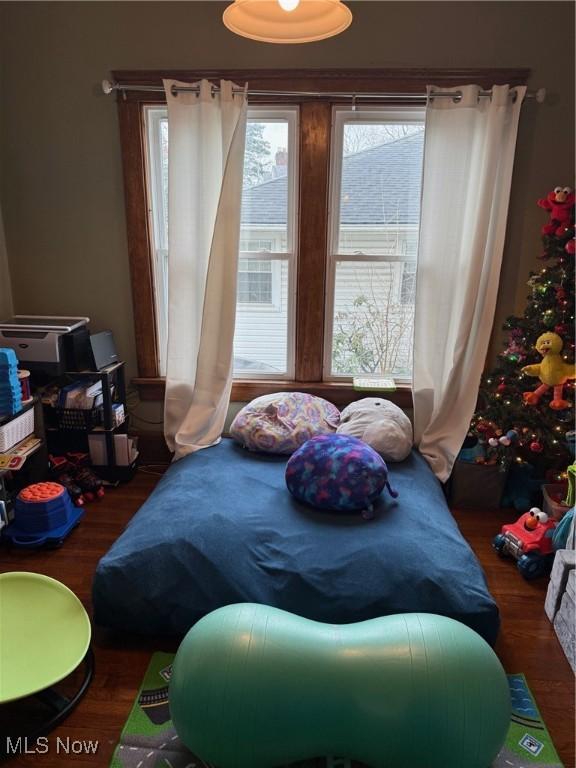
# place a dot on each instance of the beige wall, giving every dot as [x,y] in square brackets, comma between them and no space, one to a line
[60,165]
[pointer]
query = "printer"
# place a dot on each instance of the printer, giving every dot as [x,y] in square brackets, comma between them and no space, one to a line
[48,346]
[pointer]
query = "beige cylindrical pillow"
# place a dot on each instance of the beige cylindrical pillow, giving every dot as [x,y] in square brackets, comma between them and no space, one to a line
[381,424]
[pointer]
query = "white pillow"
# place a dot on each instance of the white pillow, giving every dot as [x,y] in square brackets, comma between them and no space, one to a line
[379,423]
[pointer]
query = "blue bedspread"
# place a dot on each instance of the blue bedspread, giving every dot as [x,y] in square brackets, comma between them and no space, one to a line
[222,528]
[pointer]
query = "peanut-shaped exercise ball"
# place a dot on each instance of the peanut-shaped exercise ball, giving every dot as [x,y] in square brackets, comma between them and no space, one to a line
[255,687]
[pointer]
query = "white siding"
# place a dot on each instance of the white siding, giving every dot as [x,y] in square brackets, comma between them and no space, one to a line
[262,331]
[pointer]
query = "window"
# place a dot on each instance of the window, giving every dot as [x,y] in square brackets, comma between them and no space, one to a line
[156,125]
[374,184]
[263,344]
[375,210]
[255,282]
[264,337]
[328,246]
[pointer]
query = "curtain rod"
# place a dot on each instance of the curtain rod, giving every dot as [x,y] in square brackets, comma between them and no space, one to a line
[109,86]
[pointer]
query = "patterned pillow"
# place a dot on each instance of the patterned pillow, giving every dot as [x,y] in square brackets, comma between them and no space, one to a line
[282,422]
[338,473]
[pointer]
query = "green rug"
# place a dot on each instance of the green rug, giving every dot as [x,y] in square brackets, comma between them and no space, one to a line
[150,741]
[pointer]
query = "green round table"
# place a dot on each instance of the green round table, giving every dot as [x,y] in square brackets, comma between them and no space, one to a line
[45,635]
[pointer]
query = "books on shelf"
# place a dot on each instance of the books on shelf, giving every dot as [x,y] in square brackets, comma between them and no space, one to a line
[76,396]
[125,448]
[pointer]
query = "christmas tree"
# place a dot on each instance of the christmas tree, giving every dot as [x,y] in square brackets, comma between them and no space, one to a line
[526,403]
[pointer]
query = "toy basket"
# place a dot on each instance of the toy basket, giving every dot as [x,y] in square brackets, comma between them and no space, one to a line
[16,430]
[554,494]
[476,486]
[77,419]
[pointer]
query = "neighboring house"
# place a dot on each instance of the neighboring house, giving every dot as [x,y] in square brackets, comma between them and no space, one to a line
[380,209]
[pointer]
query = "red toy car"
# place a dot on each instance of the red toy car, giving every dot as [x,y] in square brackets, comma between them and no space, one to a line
[529,542]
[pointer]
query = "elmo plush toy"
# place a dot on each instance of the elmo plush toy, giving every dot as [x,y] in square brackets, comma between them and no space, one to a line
[559,202]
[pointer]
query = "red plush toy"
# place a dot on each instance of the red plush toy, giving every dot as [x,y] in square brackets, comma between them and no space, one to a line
[559,202]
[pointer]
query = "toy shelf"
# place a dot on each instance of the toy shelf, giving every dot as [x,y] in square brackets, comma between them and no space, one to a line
[100,420]
[113,380]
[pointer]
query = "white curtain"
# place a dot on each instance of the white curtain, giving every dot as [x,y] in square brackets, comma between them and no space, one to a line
[205,167]
[468,158]
[5,287]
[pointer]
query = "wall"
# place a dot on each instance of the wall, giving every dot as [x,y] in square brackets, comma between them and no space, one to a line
[61,181]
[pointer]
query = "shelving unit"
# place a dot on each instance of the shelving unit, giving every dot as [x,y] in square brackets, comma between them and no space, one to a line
[35,467]
[62,438]
[112,379]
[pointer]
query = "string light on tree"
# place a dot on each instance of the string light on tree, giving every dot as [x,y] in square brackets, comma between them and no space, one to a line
[512,399]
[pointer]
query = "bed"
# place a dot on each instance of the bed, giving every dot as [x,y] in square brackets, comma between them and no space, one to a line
[222,528]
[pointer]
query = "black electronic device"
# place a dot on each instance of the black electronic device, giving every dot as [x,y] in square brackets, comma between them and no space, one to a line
[103,350]
[77,349]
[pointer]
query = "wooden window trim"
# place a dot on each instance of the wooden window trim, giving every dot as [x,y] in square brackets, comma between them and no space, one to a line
[315,122]
[244,390]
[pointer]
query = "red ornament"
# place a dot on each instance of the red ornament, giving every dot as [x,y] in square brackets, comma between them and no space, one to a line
[561,329]
[501,388]
[560,293]
[536,447]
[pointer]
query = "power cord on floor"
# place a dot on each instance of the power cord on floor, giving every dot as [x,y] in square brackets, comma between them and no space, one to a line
[154,469]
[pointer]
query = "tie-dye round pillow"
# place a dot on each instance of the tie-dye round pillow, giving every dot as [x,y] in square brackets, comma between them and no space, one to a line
[283,421]
[338,473]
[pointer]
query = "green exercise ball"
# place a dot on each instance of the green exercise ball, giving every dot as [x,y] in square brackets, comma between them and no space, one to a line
[256,687]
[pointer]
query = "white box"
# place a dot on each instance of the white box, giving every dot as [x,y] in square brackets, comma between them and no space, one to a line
[564,564]
[16,430]
[125,448]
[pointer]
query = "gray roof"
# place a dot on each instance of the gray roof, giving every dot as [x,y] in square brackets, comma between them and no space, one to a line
[380,184]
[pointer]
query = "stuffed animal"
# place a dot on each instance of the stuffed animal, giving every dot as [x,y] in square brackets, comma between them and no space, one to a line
[523,488]
[559,202]
[552,372]
[379,423]
[338,473]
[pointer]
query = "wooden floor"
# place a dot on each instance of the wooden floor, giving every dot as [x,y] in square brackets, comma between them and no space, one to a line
[527,641]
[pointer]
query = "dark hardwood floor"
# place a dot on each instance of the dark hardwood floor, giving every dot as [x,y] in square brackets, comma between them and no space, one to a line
[527,641]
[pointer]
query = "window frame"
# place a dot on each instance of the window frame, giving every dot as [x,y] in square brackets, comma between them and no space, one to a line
[314,134]
[341,116]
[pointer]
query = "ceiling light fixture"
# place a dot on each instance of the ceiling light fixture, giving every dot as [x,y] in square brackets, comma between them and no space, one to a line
[287,21]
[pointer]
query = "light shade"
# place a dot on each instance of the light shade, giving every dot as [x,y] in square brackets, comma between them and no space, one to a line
[266,21]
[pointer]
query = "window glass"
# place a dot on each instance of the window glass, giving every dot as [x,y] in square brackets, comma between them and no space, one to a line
[375,186]
[263,343]
[266,187]
[372,328]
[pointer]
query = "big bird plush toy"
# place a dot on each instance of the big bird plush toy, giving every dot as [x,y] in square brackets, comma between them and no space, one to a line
[552,372]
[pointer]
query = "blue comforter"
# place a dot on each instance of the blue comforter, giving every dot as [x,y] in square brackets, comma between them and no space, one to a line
[222,528]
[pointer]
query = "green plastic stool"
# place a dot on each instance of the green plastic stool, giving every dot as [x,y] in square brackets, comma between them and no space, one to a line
[44,636]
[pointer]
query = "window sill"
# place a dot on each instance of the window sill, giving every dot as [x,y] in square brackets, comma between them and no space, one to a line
[244,390]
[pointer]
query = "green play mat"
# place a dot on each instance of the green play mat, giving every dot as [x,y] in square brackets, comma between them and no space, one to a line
[44,633]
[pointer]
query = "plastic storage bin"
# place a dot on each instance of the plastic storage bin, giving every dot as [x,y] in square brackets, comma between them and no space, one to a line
[16,429]
[553,496]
